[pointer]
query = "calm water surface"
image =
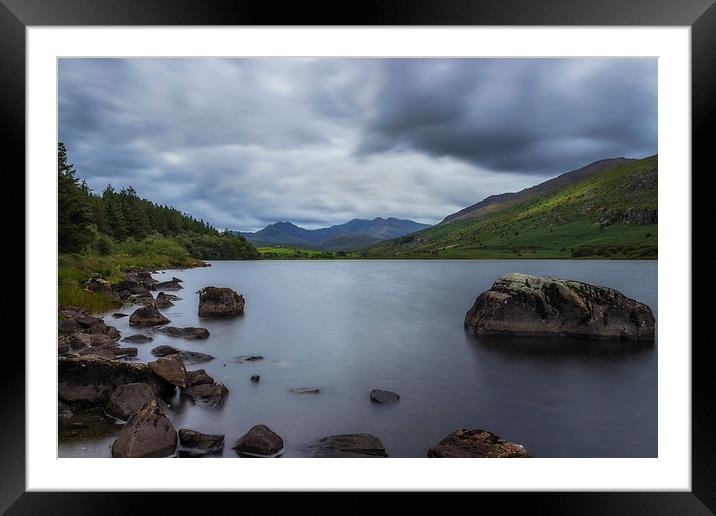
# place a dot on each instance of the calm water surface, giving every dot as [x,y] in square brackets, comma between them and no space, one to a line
[347,327]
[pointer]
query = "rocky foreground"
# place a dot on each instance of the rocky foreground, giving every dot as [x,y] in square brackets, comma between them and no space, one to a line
[92,377]
[526,305]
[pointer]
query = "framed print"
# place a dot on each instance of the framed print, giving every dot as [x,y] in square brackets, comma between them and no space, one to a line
[412,233]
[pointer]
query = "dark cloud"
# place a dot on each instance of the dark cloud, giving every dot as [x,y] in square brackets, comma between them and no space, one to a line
[519,115]
[246,142]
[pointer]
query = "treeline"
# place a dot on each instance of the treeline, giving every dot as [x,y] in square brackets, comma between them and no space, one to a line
[121,219]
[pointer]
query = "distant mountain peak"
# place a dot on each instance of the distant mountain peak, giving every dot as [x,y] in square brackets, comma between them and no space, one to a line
[352,234]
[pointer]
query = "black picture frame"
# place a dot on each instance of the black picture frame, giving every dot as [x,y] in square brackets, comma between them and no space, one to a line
[700,15]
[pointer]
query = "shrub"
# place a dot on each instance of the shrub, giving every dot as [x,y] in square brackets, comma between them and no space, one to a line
[103,245]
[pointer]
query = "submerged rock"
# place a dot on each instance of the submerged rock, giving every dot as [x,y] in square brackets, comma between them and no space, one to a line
[349,446]
[247,358]
[212,394]
[138,338]
[220,302]
[476,443]
[167,285]
[521,304]
[164,350]
[381,396]
[259,441]
[148,433]
[194,357]
[305,390]
[147,316]
[189,357]
[199,444]
[118,315]
[128,398]
[189,332]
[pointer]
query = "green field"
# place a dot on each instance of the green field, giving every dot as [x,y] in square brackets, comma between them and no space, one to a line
[297,253]
[598,217]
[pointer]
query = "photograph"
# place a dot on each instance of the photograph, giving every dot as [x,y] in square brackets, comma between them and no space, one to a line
[357,257]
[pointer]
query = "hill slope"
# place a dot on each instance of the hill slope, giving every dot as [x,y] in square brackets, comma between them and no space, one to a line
[498,202]
[608,214]
[356,233]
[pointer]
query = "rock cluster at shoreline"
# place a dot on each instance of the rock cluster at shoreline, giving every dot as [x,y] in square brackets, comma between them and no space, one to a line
[91,376]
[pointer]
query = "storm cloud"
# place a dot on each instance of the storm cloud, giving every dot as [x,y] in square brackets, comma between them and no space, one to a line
[243,143]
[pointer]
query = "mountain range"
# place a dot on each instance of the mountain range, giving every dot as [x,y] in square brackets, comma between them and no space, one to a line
[607,209]
[351,235]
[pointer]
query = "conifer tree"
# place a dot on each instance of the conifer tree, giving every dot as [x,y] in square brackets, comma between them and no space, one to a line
[74,213]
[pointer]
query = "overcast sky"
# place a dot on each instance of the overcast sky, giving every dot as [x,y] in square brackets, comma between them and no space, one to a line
[243,143]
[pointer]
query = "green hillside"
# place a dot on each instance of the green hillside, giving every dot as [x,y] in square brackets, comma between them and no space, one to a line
[611,214]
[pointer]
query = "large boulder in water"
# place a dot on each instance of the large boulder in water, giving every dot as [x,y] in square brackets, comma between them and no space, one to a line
[522,304]
[349,446]
[220,302]
[148,433]
[259,441]
[148,315]
[476,443]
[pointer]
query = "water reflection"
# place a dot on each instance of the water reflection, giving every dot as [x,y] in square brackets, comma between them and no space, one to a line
[560,348]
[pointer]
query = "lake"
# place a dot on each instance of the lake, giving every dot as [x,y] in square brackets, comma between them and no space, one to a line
[348,327]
